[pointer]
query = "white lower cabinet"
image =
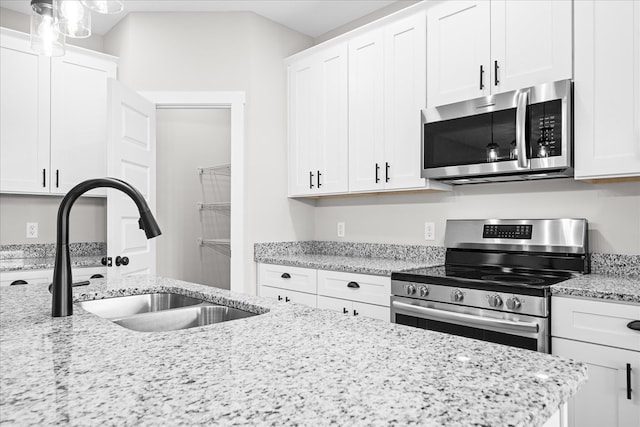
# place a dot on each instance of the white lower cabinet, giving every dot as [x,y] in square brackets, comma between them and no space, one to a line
[7,278]
[597,333]
[348,293]
[353,308]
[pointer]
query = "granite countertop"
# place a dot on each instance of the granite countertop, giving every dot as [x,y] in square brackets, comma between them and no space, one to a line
[350,264]
[291,365]
[19,264]
[601,286]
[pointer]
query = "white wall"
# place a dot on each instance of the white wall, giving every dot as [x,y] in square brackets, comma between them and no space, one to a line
[613,211]
[188,139]
[227,51]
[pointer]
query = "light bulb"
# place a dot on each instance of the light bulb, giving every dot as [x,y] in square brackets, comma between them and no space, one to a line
[74,19]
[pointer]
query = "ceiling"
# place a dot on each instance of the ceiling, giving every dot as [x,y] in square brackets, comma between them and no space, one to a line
[310,17]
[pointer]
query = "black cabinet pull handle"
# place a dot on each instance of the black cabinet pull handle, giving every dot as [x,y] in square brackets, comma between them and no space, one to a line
[355,313]
[354,285]
[57,178]
[310,179]
[634,324]
[19,282]
[122,260]
[377,170]
[481,77]
[495,73]
[106,261]
[44,177]
[97,276]
[386,172]
[286,299]
[319,174]
[279,298]
[344,310]
[286,276]
[628,381]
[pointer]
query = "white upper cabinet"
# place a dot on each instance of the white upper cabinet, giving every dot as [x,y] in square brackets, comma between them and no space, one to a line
[318,123]
[387,86]
[53,117]
[478,48]
[607,89]
[24,117]
[79,119]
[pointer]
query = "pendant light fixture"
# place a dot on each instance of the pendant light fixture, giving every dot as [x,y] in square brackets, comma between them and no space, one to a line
[52,20]
[45,36]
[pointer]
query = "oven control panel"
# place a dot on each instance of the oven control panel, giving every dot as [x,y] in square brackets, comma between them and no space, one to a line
[504,231]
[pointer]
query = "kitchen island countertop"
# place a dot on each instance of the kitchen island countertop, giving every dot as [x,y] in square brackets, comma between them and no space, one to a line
[290,365]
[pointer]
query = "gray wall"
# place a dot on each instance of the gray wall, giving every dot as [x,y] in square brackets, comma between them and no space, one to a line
[221,52]
[188,139]
[613,211]
[88,215]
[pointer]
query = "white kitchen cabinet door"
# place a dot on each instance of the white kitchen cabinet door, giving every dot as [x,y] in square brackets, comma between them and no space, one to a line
[355,287]
[603,400]
[405,63]
[318,123]
[79,120]
[353,308]
[530,43]
[24,116]
[287,295]
[288,277]
[303,126]
[132,158]
[607,89]
[366,112]
[458,51]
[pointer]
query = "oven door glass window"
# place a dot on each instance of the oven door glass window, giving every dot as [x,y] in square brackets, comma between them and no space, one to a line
[467,331]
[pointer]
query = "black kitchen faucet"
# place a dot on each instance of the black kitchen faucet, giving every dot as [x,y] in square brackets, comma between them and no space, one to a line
[61,289]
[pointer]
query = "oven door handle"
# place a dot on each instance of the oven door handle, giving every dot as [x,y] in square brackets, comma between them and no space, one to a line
[468,319]
[522,100]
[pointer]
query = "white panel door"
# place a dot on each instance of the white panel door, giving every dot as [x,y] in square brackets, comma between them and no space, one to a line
[332,155]
[603,400]
[607,89]
[530,43]
[304,137]
[405,95]
[79,120]
[366,112]
[132,158]
[24,117]
[458,51]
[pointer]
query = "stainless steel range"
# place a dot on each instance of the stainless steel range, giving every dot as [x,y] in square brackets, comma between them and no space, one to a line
[495,284]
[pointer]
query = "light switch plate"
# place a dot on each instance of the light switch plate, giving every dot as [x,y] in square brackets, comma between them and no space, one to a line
[341,229]
[32,230]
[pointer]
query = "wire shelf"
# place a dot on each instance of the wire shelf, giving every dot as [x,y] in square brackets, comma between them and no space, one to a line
[224,207]
[216,170]
[221,245]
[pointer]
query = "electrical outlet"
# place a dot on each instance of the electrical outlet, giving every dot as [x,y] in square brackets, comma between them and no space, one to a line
[429,231]
[341,229]
[32,230]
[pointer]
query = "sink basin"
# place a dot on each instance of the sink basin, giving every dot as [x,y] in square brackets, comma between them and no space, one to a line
[182,318]
[126,306]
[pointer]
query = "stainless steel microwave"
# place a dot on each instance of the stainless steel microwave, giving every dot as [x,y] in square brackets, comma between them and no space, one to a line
[518,135]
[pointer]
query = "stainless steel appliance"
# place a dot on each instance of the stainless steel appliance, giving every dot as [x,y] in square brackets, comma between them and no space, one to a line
[524,134]
[495,283]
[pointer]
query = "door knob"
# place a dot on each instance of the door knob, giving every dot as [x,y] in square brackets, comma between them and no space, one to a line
[122,260]
[107,261]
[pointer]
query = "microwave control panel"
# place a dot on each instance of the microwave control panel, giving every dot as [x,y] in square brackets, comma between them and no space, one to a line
[546,129]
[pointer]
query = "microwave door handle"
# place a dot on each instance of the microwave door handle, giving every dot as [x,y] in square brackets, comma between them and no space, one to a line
[466,319]
[522,100]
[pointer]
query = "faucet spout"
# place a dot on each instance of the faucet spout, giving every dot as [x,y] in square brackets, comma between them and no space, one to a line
[61,288]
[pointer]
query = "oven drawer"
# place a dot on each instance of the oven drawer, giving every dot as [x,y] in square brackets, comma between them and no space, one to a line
[286,277]
[355,287]
[595,321]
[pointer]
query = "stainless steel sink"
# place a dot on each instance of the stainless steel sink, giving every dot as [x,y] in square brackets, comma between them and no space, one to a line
[126,306]
[161,312]
[182,318]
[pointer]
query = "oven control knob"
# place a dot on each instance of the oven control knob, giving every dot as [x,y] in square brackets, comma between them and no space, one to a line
[495,301]
[424,291]
[457,295]
[513,303]
[411,289]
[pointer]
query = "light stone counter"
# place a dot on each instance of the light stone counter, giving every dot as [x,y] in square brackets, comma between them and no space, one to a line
[601,286]
[291,365]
